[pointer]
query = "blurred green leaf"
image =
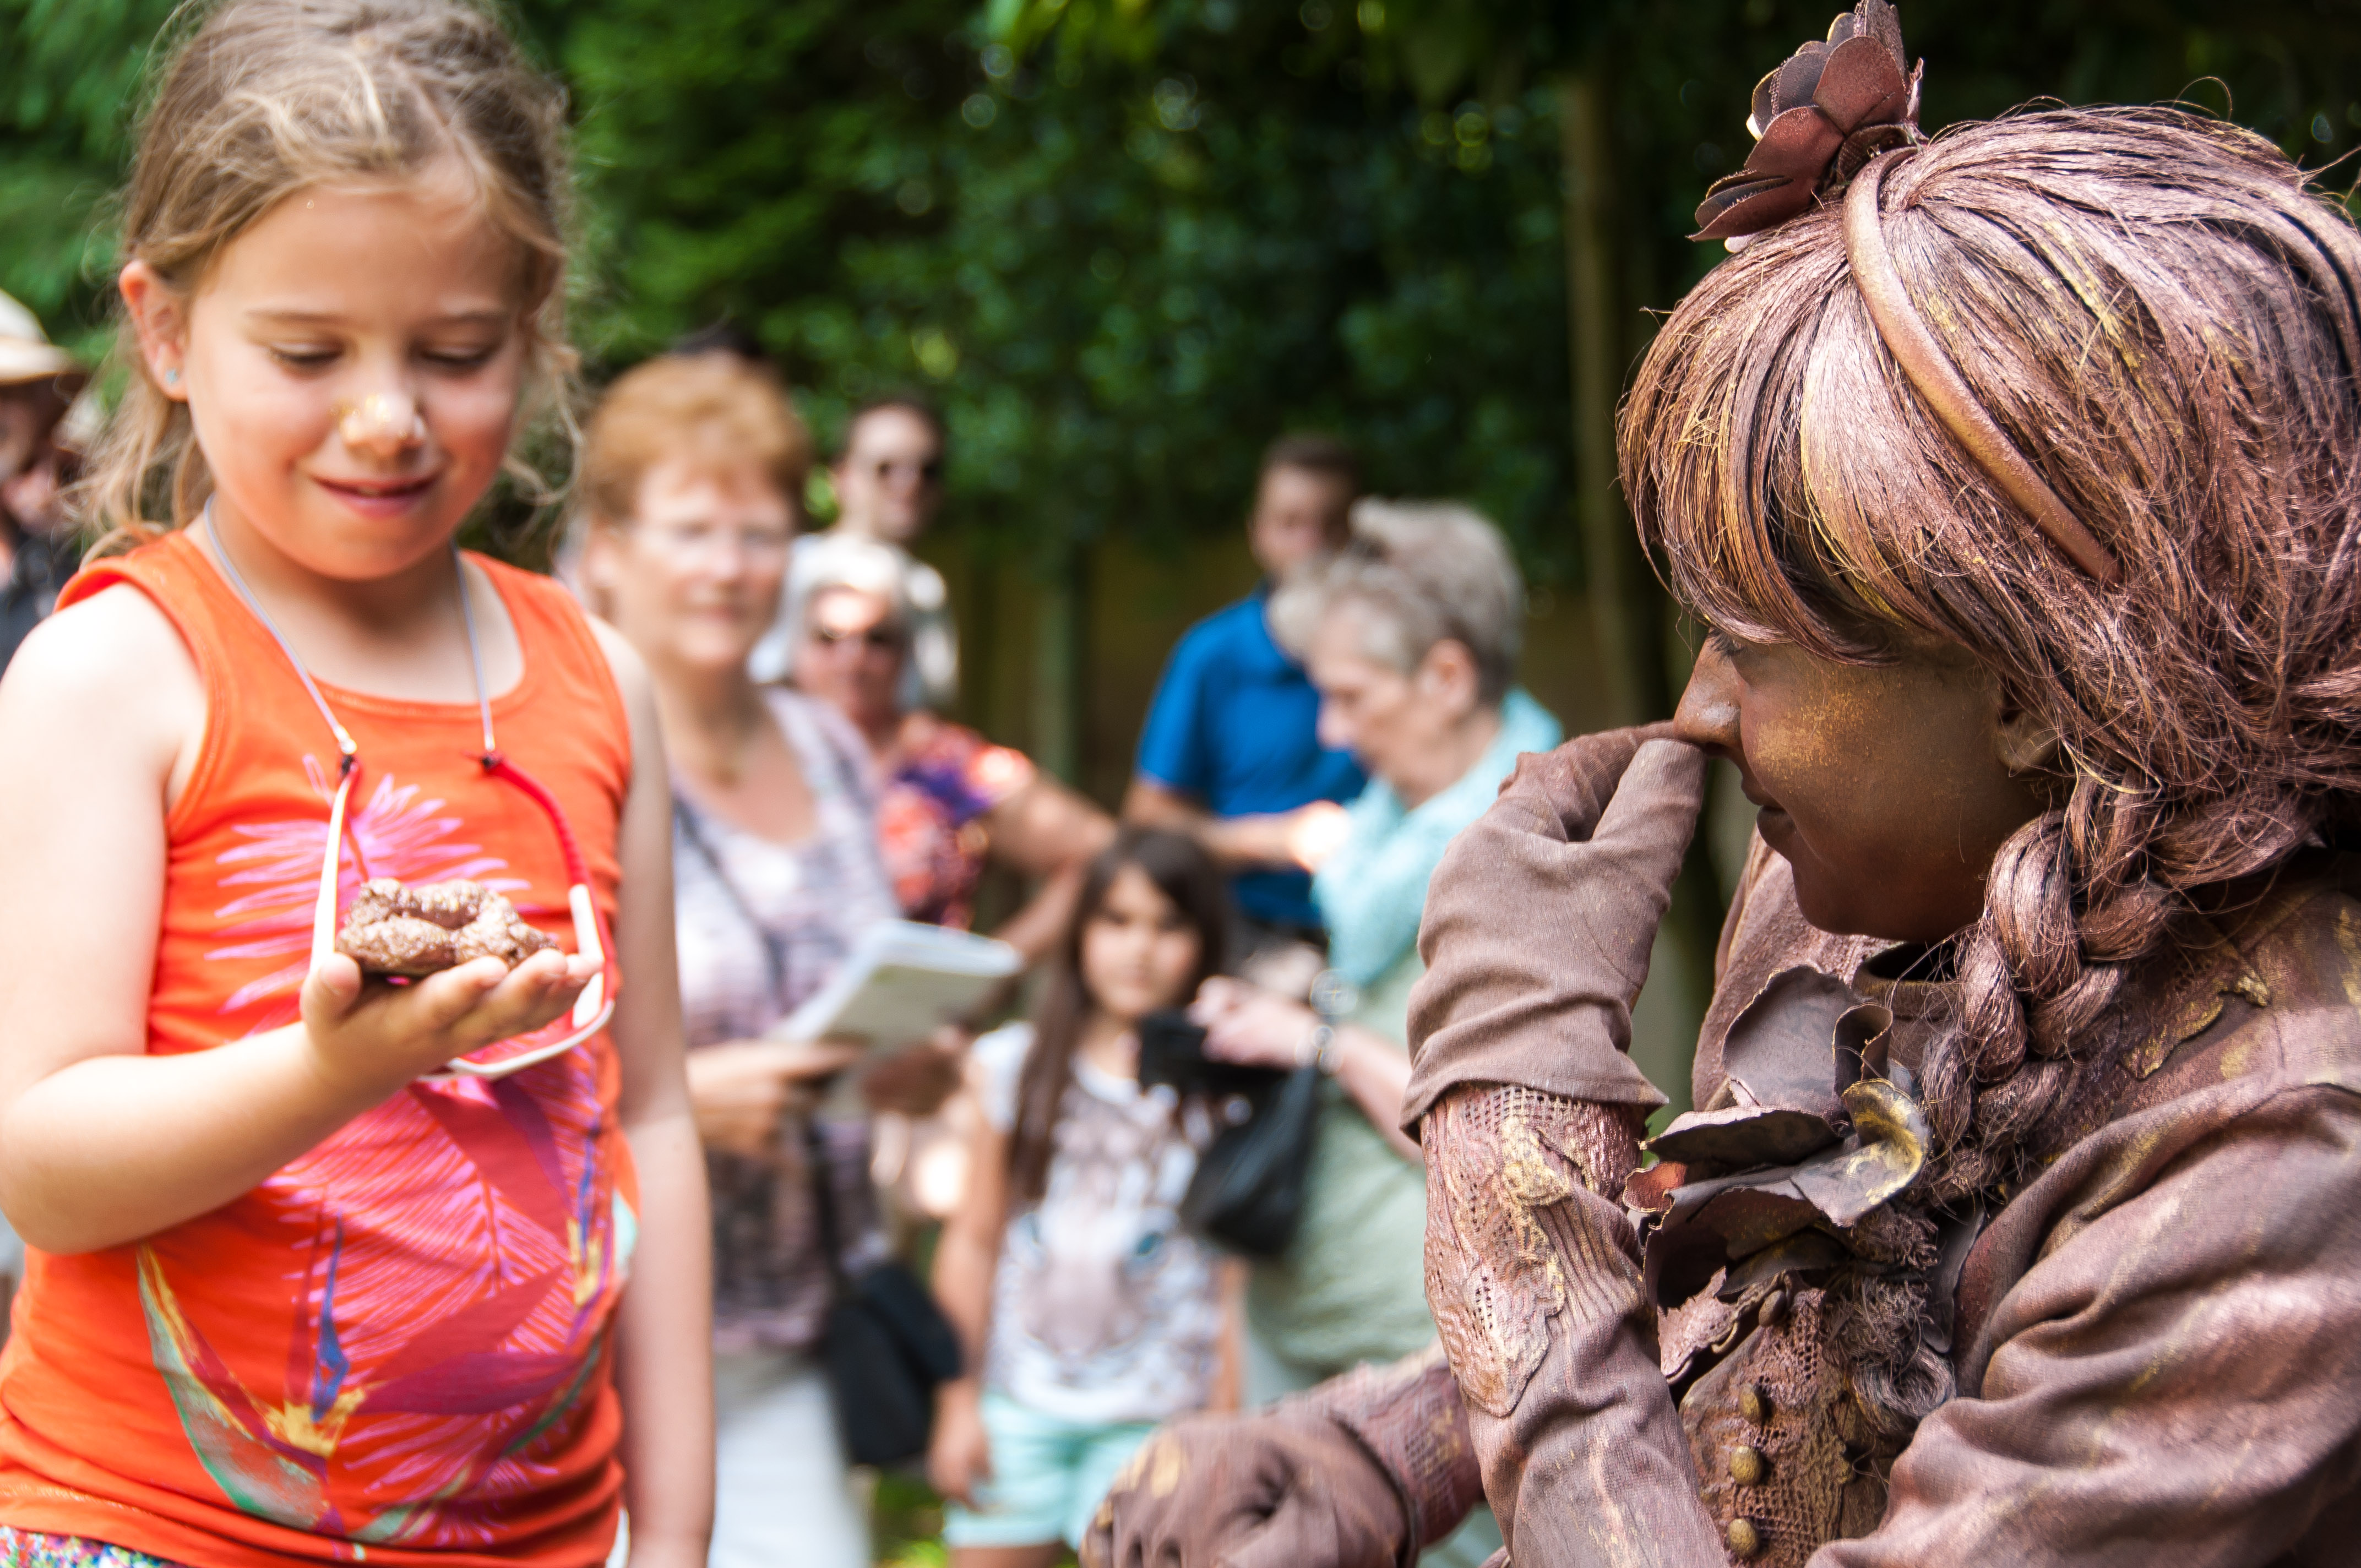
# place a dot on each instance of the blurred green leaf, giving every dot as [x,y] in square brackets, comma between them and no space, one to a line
[1124,242]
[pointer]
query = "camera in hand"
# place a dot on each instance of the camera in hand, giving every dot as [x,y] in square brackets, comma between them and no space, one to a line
[1172,1052]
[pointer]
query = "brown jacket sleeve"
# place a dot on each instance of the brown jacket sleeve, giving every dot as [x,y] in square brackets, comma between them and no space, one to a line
[1534,1278]
[1538,928]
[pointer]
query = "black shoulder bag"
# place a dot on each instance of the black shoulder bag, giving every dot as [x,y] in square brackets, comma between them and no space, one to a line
[887,1347]
[1247,1192]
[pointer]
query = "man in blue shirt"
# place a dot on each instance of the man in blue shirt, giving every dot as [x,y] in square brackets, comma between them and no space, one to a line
[1230,750]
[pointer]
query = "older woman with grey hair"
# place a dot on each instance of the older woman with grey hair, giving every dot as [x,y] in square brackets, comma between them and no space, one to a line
[1410,633]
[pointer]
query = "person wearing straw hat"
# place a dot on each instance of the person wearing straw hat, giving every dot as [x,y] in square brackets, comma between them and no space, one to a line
[38,381]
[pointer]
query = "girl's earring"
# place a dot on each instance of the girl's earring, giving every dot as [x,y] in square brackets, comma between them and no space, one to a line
[172,378]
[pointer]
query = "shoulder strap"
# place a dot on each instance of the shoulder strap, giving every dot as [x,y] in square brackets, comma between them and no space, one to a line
[182,584]
[823,1182]
[774,958]
[819,734]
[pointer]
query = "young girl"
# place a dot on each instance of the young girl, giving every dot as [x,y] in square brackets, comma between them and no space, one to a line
[298,1289]
[2019,475]
[1088,1315]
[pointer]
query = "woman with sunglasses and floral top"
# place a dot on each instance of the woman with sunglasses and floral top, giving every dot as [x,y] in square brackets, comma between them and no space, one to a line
[951,801]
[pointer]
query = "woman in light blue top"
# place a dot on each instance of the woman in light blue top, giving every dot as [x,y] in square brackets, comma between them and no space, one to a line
[1412,634]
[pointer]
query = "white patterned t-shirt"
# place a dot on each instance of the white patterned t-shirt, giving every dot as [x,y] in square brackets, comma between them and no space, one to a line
[1104,1310]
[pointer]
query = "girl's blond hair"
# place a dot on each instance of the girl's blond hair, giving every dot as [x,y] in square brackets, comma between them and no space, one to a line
[266,97]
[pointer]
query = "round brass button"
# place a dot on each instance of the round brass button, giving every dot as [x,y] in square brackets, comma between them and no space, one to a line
[1746,1467]
[1743,1538]
[1754,1404]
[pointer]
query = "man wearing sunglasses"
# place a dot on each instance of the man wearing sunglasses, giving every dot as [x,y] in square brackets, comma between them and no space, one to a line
[888,480]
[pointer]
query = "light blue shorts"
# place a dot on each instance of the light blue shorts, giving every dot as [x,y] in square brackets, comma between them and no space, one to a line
[1048,1476]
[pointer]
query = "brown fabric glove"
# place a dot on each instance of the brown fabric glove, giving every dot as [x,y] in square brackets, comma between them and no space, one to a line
[1410,1418]
[1286,1488]
[1540,920]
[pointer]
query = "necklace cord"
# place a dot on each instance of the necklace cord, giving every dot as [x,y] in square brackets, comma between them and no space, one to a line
[345,746]
[476,660]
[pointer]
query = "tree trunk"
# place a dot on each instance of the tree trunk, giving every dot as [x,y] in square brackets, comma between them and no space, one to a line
[1057,665]
[1628,604]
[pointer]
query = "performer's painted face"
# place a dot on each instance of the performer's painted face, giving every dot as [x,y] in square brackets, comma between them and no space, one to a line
[1887,787]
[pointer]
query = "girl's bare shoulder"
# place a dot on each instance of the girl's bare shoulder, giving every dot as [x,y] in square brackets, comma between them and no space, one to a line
[107,676]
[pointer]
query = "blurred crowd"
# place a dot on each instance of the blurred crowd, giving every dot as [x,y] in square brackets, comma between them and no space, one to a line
[1308,753]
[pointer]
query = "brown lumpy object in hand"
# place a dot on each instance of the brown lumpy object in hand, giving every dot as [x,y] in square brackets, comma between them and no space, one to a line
[393,929]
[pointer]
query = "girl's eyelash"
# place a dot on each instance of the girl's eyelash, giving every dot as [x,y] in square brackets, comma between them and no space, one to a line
[314,358]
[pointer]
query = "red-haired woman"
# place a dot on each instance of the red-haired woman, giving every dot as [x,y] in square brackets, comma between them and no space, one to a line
[691,472]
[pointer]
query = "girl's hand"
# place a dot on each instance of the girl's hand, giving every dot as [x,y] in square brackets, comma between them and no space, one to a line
[368,1040]
[667,1553]
[959,1457]
[739,1090]
[1253,1027]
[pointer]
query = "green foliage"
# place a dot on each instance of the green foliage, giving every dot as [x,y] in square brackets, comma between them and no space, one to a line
[1120,279]
[1124,242]
[69,74]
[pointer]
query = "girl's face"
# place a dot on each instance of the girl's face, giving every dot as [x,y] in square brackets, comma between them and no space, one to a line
[351,363]
[693,578]
[1139,951]
[1888,788]
[852,653]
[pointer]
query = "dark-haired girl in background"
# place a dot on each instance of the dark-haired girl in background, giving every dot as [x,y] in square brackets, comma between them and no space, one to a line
[1088,1314]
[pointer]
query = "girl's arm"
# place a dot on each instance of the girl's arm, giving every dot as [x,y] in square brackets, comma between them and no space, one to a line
[1047,831]
[966,1259]
[100,717]
[665,1366]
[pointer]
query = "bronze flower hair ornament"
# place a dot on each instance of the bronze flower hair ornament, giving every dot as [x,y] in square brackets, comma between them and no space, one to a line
[2162,321]
[1821,123]
[1826,112]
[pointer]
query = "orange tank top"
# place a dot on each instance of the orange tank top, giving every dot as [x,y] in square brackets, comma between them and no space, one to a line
[397,1349]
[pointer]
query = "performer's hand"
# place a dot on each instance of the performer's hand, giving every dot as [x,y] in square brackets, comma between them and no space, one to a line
[1541,918]
[1286,1488]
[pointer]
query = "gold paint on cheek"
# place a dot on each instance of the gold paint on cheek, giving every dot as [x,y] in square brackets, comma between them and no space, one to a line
[2348,941]
[1890,777]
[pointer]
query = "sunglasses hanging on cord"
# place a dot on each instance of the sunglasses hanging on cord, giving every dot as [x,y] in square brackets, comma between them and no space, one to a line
[596,1005]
